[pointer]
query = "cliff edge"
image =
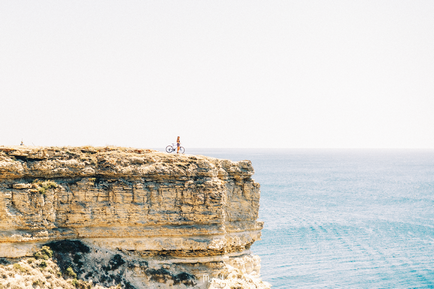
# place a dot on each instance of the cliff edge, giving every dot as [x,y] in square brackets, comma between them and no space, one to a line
[133,217]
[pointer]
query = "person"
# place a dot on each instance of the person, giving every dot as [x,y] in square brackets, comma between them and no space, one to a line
[22,143]
[178,144]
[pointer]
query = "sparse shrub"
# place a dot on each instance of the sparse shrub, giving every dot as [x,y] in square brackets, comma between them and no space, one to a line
[59,274]
[42,187]
[70,272]
[47,251]
[30,260]
[18,266]
[36,282]
[37,255]
[42,190]
[43,264]
[82,284]
[49,184]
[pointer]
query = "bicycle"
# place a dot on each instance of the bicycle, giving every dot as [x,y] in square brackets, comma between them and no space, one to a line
[172,148]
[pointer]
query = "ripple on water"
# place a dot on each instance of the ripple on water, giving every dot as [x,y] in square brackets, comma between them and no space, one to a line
[344,218]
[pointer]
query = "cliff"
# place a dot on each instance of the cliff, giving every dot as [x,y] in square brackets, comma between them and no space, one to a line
[137,218]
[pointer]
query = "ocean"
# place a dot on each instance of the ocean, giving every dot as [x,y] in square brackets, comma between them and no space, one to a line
[343,218]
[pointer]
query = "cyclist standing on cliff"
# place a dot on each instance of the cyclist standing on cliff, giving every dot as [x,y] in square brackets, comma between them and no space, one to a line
[178,144]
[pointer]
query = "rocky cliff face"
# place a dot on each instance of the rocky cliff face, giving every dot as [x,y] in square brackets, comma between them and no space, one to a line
[138,218]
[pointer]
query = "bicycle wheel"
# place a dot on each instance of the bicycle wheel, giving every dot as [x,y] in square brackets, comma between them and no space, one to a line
[181,150]
[169,149]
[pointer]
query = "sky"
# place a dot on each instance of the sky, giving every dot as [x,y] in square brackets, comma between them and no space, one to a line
[220,74]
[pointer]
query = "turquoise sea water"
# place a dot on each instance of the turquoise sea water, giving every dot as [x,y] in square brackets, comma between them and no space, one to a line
[343,218]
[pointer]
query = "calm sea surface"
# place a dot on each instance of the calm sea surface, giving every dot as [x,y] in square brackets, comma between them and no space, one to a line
[343,218]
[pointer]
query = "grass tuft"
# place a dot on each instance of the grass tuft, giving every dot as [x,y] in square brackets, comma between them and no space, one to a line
[20,268]
[44,186]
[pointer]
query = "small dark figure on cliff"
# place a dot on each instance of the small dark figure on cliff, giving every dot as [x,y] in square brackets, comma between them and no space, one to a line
[178,144]
[21,144]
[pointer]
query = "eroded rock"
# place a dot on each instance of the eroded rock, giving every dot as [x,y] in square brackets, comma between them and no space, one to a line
[137,217]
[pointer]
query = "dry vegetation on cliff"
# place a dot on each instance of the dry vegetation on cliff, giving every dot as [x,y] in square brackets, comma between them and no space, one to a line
[41,271]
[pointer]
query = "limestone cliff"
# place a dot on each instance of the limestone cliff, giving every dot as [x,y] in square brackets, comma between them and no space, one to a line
[139,218]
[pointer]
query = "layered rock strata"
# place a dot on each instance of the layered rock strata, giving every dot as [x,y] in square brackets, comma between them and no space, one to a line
[143,217]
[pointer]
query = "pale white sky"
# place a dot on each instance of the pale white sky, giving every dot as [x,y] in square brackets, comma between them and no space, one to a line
[271,74]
